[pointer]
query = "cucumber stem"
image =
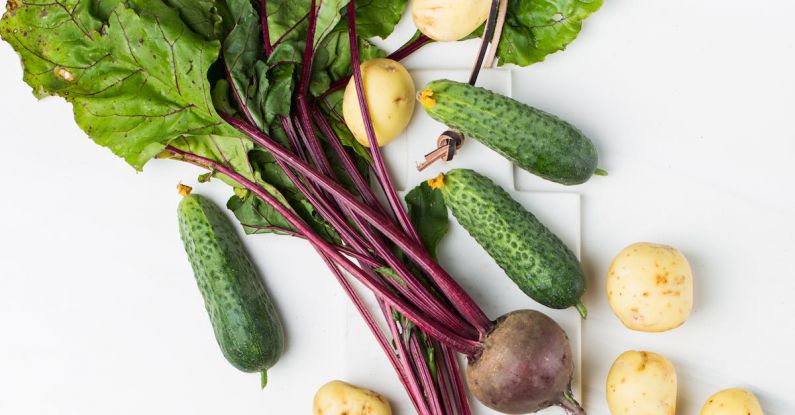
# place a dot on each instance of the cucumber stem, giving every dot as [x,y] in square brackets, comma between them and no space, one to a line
[600,172]
[581,309]
[184,190]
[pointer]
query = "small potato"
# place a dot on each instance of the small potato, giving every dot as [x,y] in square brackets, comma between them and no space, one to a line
[734,401]
[641,383]
[650,287]
[448,20]
[390,92]
[340,398]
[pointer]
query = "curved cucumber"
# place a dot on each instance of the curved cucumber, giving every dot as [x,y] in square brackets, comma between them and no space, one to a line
[538,142]
[531,255]
[244,320]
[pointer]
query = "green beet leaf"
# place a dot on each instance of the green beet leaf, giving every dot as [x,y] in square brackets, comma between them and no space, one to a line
[257,217]
[242,52]
[136,81]
[209,18]
[428,214]
[333,59]
[378,18]
[288,18]
[534,29]
[229,151]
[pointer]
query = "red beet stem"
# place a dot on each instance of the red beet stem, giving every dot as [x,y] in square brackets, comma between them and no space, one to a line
[457,296]
[381,172]
[364,259]
[266,38]
[414,291]
[403,52]
[426,379]
[396,329]
[288,31]
[410,47]
[457,382]
[394,360]
[433,328]
[309,51]
[358,180]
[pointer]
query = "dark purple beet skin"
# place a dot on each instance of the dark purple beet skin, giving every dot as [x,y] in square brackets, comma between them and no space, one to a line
[525,366]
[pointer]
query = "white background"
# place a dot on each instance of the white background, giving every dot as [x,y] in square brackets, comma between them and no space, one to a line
[690,103]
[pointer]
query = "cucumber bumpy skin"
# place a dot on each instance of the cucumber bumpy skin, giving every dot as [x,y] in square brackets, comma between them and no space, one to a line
[246,324]
[531,255]
[534,140]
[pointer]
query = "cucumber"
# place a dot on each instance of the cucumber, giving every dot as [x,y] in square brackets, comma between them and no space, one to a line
[538,142]
[246,324]
[531,255]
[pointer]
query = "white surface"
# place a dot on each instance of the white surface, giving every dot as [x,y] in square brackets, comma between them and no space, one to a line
[458,252]
[690,104]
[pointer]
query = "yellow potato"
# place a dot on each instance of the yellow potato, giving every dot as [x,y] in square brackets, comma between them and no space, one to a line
[340,398]
[448,20]
[734,401]
[641,383]
[390,96]
[650,287]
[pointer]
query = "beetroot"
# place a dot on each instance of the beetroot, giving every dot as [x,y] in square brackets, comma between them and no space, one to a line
[525,365]
[518,364]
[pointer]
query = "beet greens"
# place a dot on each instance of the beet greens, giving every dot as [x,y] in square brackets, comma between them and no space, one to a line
[251,91]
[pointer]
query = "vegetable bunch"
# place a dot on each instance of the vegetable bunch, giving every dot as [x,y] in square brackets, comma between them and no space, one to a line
[250,91]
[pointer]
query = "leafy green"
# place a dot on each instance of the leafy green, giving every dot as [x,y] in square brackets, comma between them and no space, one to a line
[284,63]
[259,217]
[242,50]
[428,214]
[136,81]
[209,18]
[288,18]
[230,151]
[255,215]
[333,60]
[222,98]
[378,17]
[534,29]
[391,274]
[266,88]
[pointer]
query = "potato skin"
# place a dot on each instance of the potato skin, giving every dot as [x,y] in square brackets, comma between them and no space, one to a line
[449,20]
[650,287]
[340,398]
[641,383]
[390,97]
[733,401]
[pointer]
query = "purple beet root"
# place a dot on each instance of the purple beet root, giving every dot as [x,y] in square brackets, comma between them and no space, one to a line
[525,366]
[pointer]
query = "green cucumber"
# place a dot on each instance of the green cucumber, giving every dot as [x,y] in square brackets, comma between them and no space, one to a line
[534,140]
[531,255]
[246,324]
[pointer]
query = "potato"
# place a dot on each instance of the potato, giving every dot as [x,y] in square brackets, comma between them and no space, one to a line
[650,287]
[734,401]
[641,383]
[390,92]
[448,20]
[340,398]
